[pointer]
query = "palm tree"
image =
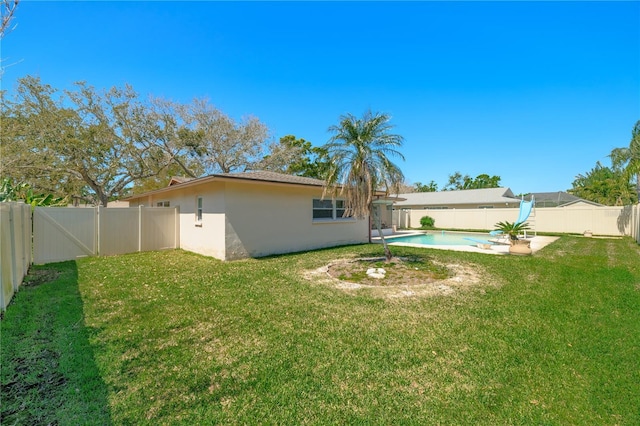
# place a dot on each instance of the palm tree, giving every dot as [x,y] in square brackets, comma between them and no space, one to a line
[629,158]
[359,165]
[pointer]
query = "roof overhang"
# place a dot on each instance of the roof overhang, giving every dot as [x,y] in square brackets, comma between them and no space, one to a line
[174,185]
[385,199]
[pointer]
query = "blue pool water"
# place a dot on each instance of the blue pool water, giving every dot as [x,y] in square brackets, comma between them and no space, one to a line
[439,238]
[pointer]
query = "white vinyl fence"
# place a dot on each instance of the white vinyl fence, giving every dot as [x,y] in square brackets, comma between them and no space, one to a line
[15,248]
[61,234]
[606,221]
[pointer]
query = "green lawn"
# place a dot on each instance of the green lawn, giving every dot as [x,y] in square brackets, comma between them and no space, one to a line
[176,338]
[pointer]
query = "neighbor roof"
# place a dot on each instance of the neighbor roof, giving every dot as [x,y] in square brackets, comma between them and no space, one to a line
[557,199]
[466,196]
[177,180]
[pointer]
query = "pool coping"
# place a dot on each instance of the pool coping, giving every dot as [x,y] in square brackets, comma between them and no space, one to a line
[537,243]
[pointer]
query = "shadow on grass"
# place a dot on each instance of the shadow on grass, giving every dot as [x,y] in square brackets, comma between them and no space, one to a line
[49,374]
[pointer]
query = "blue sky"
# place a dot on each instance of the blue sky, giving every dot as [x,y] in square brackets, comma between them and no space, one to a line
[534,92]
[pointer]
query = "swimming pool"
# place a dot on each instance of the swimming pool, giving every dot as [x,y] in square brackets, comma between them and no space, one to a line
[441,238]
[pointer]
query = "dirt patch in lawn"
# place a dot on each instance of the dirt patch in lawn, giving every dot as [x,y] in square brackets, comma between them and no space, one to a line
[35,374]
[401,277]
[37,277]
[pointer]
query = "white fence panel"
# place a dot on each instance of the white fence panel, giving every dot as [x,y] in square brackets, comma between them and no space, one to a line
[119,230]
[159,228]
[613,221]
[15,248]
[63,234]
[68,233]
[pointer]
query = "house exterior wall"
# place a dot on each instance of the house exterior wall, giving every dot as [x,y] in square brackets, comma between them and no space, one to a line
[206,237]
[251,219]
[264,219]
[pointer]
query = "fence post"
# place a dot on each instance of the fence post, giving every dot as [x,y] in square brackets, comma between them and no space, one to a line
[140,227]
[14,266]
[636,215]
[26,242]
[96,240]
[176,244]
[2,266]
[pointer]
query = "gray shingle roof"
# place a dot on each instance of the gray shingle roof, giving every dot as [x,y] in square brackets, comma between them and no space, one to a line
[467,196]
[177,180]
[272,177]
[556,199]
[258,176]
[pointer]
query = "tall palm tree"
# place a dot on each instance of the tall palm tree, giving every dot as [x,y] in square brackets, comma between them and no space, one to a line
[359,164]
[629,157]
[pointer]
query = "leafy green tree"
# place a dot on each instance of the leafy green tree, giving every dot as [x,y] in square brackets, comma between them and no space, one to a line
[628,158]
[359,163]
[23,192]
[298,157]
[430,187]
[94,146]
[604,185]
[81,139]
[483,181]
[458,182]
[455,182]
[224,145]
[169,128]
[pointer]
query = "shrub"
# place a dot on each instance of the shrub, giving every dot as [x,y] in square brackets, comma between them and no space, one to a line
[427,221]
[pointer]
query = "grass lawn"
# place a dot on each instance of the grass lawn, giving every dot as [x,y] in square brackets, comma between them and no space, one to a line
[176,338]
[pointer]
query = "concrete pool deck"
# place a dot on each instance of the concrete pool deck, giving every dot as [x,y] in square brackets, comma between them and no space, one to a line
[538,242]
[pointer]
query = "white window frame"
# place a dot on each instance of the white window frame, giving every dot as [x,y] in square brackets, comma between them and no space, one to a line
[199,209]
[336,207]
[163,204]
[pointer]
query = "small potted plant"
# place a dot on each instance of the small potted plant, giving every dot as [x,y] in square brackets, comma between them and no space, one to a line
[512,229]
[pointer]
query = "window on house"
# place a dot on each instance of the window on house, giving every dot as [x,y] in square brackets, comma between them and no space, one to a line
[485,207]
[322,209]
[162,204]
[199,209]
[328,209]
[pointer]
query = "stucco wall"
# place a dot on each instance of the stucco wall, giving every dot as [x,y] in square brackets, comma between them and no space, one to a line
[206,237]
[251,219]
[265,219]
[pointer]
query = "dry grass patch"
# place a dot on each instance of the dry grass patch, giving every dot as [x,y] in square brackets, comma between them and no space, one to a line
[412,276]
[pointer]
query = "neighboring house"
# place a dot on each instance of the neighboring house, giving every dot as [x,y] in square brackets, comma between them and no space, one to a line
[238,215]
[485,198]
[559,199]
[177,180]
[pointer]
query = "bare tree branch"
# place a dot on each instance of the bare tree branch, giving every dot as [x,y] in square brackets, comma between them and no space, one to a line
[8,10]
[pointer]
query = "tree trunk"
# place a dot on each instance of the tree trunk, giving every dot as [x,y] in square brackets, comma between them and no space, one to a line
[387,252]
